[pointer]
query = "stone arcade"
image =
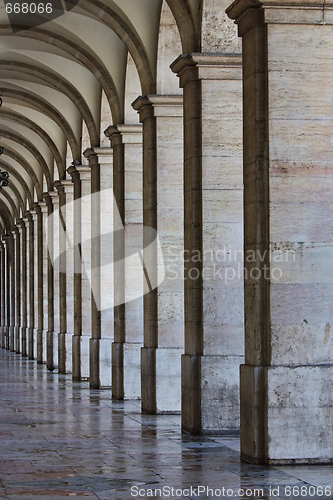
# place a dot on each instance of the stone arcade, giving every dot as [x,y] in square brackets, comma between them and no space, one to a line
[138,134]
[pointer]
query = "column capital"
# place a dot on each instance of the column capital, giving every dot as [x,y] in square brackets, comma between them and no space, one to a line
[21,223]
[51,198]
[167,105]
[130,134]
[99,155]
[40,205]
[14,230]
[27,216]
[113,134]
[144,107]
[197,66]
[65,186]
[79,172]
[249,13]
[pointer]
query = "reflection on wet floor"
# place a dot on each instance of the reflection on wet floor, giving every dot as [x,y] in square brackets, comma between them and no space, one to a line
[60,439]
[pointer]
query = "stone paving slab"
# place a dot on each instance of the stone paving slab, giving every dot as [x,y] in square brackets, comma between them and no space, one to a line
[60,439]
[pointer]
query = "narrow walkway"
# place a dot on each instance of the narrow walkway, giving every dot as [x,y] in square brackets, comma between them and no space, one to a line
[61,439]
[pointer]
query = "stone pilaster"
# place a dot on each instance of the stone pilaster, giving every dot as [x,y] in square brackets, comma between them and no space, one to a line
[161,365]
[13,283]
[81,177]
[213,243]
[42,268]
[150,315]
[101,278]
[17,285]
[37,281]
[51,228]
[287,377]
[23,285]
[64,264]
[126,141]
[119,259]
[30,256]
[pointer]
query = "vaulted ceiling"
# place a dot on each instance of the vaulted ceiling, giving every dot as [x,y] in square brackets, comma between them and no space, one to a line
[63,82]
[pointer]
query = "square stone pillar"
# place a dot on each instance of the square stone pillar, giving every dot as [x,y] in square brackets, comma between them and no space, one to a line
[64,265]
[101,165]
[126,141]
[286,382]
[23,286]
[17,284]
[161,358]
[81,177]
[14,306]
[8,252]
[43,280]
[53,248]
[213,221]
[35,341]
[30,256]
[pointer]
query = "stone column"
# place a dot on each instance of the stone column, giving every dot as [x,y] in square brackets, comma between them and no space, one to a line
[65,265]
[126,141]
[286,382]
[51,227]
[3,293]
[12,278]
[119,259]
[30,223]
[17,253]
[43,280]
[161,364]
[23,286]
[148,120]
[213,204]
[81,176]
[101,164]
[37,282]
[7,244]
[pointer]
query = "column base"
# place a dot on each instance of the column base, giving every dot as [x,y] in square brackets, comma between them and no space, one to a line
[293,402]
[24,343]
[117,371]
[65,352]
[12,338]
[41,346]
[100,363]
[126,370]
[32,345]
[7,338]
[52,350]
[132,371]
[3,337]
[17,340]
[210,394]
[80,357]
[161,380]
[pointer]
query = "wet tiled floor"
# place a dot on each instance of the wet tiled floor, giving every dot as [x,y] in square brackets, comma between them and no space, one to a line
[61,439]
